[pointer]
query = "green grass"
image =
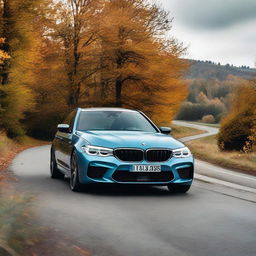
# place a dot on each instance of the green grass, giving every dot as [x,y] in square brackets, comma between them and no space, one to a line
[206,149]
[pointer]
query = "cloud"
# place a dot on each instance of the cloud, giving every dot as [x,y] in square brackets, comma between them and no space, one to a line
[211,14]
[217,30]
[235,45]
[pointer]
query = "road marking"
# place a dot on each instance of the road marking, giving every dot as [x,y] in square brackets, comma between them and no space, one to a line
[232,173]
[224,183]
[211,131]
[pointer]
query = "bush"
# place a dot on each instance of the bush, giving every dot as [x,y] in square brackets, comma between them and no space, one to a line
[234,132]
[15,130]
[196,111]
[14,102]
[208,119]
[237,130]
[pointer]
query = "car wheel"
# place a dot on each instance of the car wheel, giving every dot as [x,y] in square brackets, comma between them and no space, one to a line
[178,188]
[55,173]
[75,184]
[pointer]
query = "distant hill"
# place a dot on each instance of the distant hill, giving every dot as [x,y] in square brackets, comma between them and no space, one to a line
[209,70]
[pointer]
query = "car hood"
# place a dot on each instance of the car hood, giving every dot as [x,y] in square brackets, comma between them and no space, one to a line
[130,139]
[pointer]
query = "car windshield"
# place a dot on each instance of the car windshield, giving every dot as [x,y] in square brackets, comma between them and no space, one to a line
[114,120]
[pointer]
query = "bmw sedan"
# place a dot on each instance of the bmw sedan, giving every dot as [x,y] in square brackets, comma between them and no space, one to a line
[116,145]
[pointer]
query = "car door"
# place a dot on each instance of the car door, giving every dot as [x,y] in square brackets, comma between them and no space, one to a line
[65,142]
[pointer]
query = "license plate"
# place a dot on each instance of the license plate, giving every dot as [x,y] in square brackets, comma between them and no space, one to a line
[146,168]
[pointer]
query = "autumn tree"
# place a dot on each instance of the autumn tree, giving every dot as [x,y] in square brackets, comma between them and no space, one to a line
[19,29]
[70,53]
[116,54]
[140,67]
[73,26]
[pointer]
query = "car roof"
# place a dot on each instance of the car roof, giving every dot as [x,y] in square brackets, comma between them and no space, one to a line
[107,109]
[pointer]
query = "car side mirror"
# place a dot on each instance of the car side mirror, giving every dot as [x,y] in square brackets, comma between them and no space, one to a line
[63,128]
[165,130]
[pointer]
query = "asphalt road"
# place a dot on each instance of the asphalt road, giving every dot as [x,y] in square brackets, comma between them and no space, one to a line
[109,220]
[208,130]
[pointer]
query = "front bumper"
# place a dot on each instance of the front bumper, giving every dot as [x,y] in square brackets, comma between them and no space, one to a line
[112,170]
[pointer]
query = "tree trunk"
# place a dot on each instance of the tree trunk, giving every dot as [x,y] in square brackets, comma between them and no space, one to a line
[118,93]
[73,100]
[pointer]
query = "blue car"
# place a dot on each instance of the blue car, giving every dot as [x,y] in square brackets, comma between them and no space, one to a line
[116,145]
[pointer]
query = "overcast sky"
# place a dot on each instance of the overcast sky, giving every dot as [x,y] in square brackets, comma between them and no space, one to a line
[219,30]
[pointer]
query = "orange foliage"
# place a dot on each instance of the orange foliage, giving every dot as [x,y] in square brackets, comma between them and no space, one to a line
[141,69]
[238,128]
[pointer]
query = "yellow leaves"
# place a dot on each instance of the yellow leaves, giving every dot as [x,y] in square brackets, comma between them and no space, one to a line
[79,56]
[3,55]
[146,65]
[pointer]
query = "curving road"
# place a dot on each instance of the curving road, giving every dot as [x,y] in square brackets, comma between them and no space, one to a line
[212,173]
[211,219]
[208,130]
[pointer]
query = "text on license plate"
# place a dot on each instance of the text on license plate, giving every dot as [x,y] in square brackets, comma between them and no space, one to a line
[146,168]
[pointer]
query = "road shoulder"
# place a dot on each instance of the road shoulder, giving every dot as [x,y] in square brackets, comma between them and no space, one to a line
[212,173]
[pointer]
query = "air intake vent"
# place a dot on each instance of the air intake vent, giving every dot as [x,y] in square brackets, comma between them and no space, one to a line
[96,172]
[186,173]
[124,176]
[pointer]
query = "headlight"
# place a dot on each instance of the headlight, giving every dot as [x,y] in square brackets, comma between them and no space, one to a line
[181,152]
[97,151]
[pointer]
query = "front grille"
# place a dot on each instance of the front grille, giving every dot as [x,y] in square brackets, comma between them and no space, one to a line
[96,172]
[158,155]
[186,173]
[138,155]
[125,176]
[129,155]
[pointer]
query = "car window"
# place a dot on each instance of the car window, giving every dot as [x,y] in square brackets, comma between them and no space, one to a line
[114,120]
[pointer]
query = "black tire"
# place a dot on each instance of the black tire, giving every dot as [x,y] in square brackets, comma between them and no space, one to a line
[74,183]
[54,171]
[178,188]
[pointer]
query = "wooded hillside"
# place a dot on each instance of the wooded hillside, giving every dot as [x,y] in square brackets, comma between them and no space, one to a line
[210,70]
[211,89]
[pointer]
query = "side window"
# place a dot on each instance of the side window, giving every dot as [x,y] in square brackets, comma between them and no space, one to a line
[70,119]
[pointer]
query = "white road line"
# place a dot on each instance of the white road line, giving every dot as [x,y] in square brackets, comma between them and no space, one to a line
[236,175]
[224,183]
[208,166]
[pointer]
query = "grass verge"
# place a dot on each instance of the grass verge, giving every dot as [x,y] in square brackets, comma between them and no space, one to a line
[206,149]
[181,131]
[20,232]
[22,235]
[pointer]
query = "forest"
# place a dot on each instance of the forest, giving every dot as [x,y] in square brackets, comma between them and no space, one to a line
[56,56]
[59,55]
[211,90]
[209,70]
